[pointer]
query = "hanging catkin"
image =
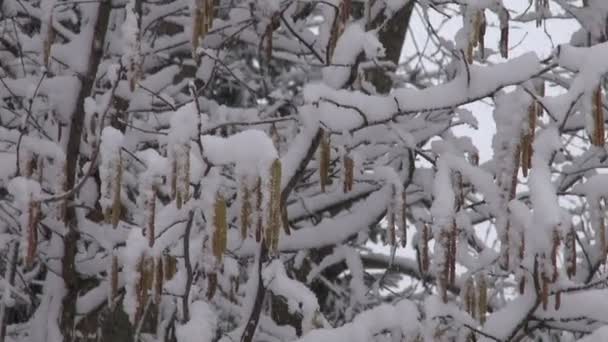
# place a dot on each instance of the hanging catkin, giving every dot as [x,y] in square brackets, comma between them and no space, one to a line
[245,210]
[570,253]
[324,160]
[349,167]
[220,224]
[423,246]
[258,210]
[482,297]
[274,206]
[504,33]
[598,138]
[202,20]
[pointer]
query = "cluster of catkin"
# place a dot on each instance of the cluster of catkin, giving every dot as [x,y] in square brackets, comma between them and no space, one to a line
[262,211]
[152,274]
[545,272]
[475,297]
[540,6]
[446,262]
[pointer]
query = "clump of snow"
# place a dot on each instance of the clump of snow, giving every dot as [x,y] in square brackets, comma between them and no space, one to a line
[202,325]
[135,250]
[251,150]
[351,43]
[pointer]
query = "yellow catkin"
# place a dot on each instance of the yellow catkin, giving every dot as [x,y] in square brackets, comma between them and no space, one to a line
[202,21]
[170,267]
[144,285]
[324,160]
[468,295]
[220,224]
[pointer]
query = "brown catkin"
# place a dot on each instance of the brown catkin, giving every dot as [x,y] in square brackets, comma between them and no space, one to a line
[211,285]
[151,218]
[558,300]
[258,209]
[424,249]
[602,231]
[349,167]
[554,250]
[504,33]
[482,297]
[245,211]
[599,138]
[116,204]
[324,160]
[403,216]
[220,223]
[274,206]
[571,253]
[32,232]
[521,252]
[453,235]
[174,179]
[481,35]
[545,291]
[513,188]
[158,280]
[113,280]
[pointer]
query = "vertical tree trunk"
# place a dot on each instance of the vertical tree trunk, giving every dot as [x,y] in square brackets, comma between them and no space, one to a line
[70,240]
